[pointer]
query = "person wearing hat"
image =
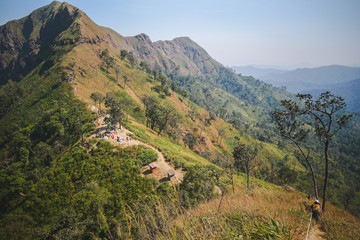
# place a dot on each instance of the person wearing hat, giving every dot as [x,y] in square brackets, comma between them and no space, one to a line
[316,210]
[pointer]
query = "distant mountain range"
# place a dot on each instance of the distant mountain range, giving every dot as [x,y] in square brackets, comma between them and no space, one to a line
[340,80]
[256,72]
[348,90]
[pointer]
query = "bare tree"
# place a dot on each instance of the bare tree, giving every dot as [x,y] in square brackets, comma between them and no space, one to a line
[244,160]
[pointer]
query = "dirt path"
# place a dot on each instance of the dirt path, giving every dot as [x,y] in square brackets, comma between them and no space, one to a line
[161,174]
[317,232]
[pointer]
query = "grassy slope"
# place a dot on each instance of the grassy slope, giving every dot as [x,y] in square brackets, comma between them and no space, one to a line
[86,61]
[269,213]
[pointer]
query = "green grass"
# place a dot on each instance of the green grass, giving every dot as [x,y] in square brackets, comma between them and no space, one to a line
[172,151]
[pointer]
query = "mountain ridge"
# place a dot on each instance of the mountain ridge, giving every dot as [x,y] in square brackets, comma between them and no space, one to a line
[303,79]
[256,72]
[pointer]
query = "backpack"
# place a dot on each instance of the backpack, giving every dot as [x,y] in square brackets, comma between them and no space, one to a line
[316,207]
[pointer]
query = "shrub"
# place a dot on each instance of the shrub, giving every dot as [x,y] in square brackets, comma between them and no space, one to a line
[146,156]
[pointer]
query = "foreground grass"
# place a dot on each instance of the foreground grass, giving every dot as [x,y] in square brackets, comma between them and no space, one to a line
[258,214]
[339,224]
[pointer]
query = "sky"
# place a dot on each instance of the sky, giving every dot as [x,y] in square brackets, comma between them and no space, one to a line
[267,33]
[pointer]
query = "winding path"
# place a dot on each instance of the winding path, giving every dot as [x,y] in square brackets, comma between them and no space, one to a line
[161,174]
[317,232]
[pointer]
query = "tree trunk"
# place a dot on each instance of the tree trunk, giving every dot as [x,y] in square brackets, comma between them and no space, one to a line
[314,179]
[247,179]
[326,149]
[311,168]
[222,196]
[232,180]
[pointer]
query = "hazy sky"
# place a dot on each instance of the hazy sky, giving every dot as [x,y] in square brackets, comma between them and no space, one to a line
[295,33]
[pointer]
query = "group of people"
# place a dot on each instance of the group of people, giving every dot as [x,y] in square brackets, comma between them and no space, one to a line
[315,208]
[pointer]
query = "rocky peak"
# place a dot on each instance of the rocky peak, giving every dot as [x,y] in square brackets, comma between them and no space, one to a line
[143,37]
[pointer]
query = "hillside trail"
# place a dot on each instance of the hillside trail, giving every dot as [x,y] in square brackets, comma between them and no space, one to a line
[161,174]
[317,232]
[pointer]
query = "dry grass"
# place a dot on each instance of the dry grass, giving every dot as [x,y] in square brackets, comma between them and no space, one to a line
[272,214]
[340,224]
[258,214]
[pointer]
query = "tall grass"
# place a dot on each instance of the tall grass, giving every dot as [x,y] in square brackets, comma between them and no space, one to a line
[259,214]
[339,224]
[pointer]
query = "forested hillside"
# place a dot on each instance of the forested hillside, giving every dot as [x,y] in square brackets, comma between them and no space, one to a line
[68,86]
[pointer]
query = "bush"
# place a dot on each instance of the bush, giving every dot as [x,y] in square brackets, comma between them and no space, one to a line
[198,185]
[190,140]
[146,156]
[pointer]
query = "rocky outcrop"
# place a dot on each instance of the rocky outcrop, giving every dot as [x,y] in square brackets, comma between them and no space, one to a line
[181,54]
[189,55]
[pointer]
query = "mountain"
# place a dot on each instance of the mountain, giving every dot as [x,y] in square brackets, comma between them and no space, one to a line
[26,42]
[59,180]
[348,90]
[256,72]
[305,79]
[181,54]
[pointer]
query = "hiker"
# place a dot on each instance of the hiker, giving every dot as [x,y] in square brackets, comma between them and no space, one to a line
[316,210]
[309,196]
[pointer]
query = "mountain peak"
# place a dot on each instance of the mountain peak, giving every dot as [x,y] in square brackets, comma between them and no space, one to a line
[143,37]
[185,39]
[35,34]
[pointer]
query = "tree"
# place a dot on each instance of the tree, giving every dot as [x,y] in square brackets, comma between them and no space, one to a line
[101,99]
[294,130]
[105,53]
[117,108]
[150,106]
[117,72]
[326,122]
[198,184]
[123,54]
[169,116]
[97,97]
[130,57]
[244,160]
[108,61]
[189,140]
[94,97]
[324,118]
[286,175]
